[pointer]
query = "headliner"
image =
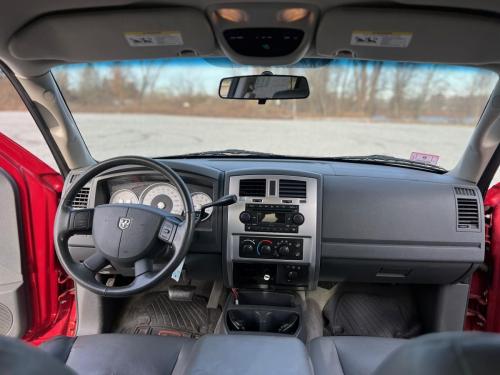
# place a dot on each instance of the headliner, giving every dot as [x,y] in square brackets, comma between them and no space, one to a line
[15,15]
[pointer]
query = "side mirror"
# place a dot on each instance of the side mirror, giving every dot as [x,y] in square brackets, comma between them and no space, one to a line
[226,200]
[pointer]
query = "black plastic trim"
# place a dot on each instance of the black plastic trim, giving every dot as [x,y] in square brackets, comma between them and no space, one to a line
[489,172]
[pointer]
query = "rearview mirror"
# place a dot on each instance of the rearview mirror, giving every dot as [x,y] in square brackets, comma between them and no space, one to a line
[264,87]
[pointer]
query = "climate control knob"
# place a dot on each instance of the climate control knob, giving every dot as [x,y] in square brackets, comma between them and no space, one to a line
[245,217]
[266,250]
[284,251]
[247,249]
[298,219]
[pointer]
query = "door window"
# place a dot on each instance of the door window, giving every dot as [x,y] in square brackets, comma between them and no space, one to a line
[18,124]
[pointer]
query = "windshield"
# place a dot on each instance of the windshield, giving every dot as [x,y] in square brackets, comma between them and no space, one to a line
[171,107]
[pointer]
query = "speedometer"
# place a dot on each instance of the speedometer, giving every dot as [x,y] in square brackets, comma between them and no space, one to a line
[163,196]
[200,199]
[124,196]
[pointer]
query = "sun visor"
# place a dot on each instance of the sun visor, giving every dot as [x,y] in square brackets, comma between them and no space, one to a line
[115,35]
[409,35]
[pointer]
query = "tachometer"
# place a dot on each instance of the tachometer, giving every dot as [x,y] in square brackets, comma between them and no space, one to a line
[124,196]
[163,196]
[200,199]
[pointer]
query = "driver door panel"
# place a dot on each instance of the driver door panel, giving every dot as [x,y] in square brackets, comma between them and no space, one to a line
[13,312]
[33,286]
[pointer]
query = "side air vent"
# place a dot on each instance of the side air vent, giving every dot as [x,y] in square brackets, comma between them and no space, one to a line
[253,188]
[82,198]
[468,214]
[465,191]
[293,189]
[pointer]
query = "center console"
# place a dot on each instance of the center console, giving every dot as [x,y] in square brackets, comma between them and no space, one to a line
[264,312]
[272,232]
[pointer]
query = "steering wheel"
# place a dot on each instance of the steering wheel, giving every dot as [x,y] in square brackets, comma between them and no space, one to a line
[124,234]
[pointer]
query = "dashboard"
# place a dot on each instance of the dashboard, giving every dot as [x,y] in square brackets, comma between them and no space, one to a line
[299,222]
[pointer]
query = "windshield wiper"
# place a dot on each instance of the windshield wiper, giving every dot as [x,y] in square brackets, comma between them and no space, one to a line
[226,153]
[390,160]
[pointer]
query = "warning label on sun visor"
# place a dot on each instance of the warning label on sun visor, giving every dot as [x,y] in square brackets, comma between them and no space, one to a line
[154,38]
[381,39]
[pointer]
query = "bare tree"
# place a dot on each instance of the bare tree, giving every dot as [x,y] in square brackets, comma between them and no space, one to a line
[371,103]
[148,77]
[401,80]
[318,82]
[425,90]
[360,85]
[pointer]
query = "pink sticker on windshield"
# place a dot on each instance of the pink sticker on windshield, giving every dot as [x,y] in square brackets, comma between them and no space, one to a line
[424,158]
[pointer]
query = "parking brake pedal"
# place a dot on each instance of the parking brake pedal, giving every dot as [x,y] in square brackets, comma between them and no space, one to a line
[183,293]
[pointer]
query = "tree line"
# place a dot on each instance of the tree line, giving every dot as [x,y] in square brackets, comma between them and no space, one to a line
[375,91]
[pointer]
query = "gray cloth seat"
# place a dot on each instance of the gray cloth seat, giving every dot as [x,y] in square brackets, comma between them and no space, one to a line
[119,354]
[451,353]
[448,353]
[16,357]
[350,355]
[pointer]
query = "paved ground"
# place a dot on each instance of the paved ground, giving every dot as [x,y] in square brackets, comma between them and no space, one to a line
[158,135]
[154,135]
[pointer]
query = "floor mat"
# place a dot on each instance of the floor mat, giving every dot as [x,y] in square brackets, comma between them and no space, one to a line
[156,314]
[373,311]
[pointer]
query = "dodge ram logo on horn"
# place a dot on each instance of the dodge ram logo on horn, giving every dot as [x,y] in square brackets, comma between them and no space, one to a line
[124,223]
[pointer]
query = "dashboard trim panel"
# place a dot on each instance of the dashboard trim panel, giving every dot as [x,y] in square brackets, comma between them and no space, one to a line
[309,231]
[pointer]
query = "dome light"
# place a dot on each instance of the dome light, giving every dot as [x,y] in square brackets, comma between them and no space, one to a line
[292,14]
[232,15]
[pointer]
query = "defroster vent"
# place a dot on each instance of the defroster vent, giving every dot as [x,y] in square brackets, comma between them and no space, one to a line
[468,192]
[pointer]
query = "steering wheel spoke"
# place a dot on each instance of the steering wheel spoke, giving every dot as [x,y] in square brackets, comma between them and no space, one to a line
[143,266]
[80,220]
[143,280]
[95,262]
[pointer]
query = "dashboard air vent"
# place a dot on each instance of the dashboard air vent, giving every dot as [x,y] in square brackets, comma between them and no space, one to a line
[82,198]
[468,214]
[293,189]
[253,188]
[465,191]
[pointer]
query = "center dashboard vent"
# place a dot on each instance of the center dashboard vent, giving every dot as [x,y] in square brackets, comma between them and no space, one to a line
[292,189]
[81,199]
[468,212]
[253,188]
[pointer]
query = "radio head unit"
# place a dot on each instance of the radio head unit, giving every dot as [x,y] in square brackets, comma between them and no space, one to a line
[279,218]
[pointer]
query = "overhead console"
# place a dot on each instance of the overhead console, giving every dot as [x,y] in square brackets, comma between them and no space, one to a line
[264,34]
[272,231]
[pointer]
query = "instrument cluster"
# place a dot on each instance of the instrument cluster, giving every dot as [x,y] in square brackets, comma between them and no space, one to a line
[161,195]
